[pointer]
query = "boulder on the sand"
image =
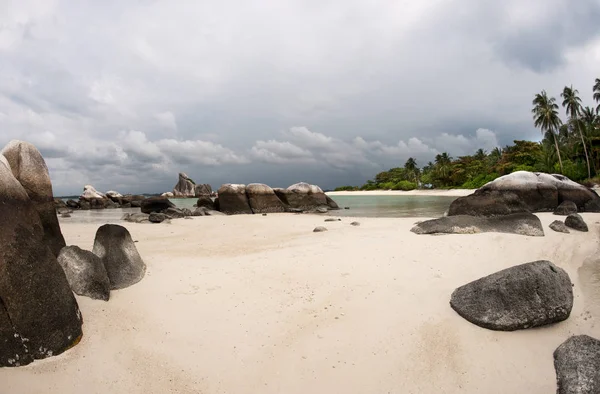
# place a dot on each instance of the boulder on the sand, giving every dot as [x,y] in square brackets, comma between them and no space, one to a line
[73,204]
[319,229]
[516,223]
[156,217]
[39,316]
[176,213]
[566,208]
[575,221]
[136,217]
[89,193]
[330,203]
[200,211]
[85,272]
[61,210]
[85,205]
[203,190]
[185,186]
[205,201]
[303,196]
[559,227]
[577,365]
[262,199]
[524,191]
[29,168]
[168,195]
[527,295]
[156,204]
[116,249]
[233,199]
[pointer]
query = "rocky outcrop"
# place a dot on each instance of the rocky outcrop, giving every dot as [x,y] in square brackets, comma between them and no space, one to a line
[168,195]
[262,199]
[577,365]
[39,316]
[156,204]
[114,246]
[566,208]
[185,186]
[157,217]
[524,191]
[233,199]
[527,295]
[204,190]
[113,195]
[29,168]
[517,223]
[576,222]
[90,193]
[559,227]
[136,217]
[85,272]
[304,196]
[206,202]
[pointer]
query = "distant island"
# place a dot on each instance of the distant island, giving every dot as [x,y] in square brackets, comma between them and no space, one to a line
[570,148]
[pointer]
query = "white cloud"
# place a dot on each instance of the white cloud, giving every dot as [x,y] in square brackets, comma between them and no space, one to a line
[167,120]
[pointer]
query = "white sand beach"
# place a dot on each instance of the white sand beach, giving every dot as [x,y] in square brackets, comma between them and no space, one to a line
[416,192]
[254,304]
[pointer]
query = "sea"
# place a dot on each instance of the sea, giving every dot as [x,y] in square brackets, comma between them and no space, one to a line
[357,206]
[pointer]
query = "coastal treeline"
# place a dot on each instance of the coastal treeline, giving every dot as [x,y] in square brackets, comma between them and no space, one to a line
[570,147]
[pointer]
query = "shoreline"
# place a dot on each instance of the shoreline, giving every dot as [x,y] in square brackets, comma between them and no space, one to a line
[248,304]
[416,192]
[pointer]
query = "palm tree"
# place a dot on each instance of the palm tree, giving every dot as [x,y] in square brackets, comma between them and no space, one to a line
[597,93]
[443,163]
[572,104]
[480,154]
[545,116]
[411,167]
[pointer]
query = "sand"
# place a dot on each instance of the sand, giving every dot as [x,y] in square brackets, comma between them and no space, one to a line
[416,192]
[253,304]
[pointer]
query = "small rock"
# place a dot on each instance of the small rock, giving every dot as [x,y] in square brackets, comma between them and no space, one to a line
[566,208]
[319,229]
[264,214]
[333,220]
[157,217]
[559,227]
[575,221]
[355,224]
[346,207]
[62,210]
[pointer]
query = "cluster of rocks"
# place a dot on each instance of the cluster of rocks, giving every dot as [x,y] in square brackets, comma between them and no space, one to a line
[186,188]
[39,315]
[532,295]
[93,199]
[507,205]
[114,263]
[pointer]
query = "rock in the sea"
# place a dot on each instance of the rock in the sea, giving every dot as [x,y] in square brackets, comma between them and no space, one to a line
[136,217]
[262,199]
[29,168]
[185,186]
[205,201]
[203,190]
[517,223]
[330,203]
[527,295]
[233,199]
[575,221]
[73,204]
[524,191]
[85,272]
[39,316]
[319,229]
[156,204]
[566,208]
[303,196]
[168,195]
[156,217]
[559,227]
[114,246]
[89,192]
[577,365]
[113,195]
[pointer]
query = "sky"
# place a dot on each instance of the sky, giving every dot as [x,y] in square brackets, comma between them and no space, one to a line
[124,95]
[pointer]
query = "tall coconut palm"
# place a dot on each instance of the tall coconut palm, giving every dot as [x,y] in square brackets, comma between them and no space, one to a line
[597,93]
[411,168]
[545,116]
[572,104]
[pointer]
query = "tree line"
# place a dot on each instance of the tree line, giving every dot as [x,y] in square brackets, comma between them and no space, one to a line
[571,148]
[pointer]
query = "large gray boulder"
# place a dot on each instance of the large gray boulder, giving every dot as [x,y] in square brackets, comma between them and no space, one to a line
[156,204]
[85,272]
[516,223]
[39,316]
[185,186]
[29,168]
[262,199]
[302,196]
[524,191]
[566,208]
[116,249]
[233,199]
[203,190]
[577,365]
[527,295]
[575,221]
[206,202]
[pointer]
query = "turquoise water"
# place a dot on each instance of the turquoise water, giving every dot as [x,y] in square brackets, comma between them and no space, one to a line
[359,206]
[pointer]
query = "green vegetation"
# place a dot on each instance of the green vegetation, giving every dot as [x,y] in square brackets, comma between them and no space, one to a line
[571,148]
